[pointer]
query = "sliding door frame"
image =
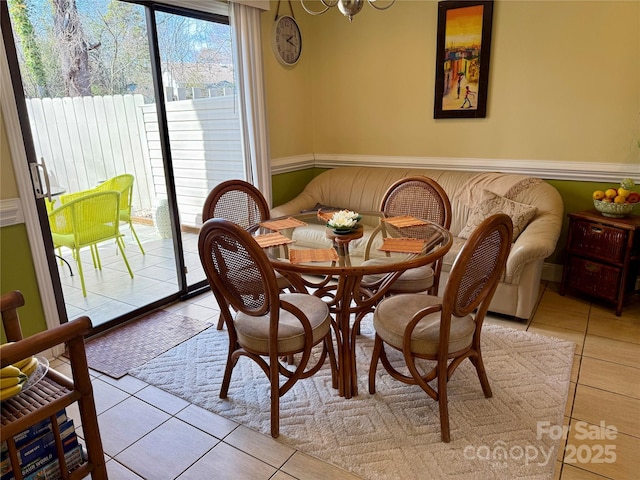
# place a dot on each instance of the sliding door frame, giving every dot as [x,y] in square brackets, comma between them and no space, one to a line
[23,155]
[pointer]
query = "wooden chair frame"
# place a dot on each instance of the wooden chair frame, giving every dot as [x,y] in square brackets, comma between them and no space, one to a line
[472,282]
[242,279]
[243,204]
[420,197]
[238,201]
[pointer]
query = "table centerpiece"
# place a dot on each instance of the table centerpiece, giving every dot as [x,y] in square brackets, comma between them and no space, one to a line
[343,222]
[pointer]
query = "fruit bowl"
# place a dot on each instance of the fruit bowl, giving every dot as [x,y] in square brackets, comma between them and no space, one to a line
[614,210]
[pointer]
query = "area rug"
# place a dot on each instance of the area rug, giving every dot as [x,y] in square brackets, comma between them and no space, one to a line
[395,433]
[137,342]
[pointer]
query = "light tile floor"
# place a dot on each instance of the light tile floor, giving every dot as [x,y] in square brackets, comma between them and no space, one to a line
[150,434]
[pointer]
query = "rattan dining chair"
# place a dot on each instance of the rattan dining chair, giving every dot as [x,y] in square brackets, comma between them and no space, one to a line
[237,201]
[243,204]
[446,329]
[422,198]
[268,325]
[85,222]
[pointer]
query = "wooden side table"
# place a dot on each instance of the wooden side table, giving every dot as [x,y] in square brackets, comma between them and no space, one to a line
[602,256]
[53,393]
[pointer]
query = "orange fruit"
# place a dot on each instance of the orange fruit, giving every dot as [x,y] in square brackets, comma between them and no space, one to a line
[619,199]
[611,193]
[598,194]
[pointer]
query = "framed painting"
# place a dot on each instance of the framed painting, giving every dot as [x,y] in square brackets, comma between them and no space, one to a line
[462,58]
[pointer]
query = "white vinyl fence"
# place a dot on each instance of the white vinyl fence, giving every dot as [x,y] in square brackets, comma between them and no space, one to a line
[86,140]
[205,149]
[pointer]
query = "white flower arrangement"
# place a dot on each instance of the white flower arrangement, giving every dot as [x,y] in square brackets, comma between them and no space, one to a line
[344,219]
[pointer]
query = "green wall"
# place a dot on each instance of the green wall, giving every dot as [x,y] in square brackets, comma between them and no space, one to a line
[17,273]
[286,186]
[577,196]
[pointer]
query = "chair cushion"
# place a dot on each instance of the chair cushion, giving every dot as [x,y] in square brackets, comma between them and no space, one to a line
[253,332]
[394,313]
[412,280]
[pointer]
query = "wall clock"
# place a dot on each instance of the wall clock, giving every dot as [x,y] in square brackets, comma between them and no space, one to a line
[286,40]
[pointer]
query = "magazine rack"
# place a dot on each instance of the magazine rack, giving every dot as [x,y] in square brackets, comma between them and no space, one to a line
[53,393]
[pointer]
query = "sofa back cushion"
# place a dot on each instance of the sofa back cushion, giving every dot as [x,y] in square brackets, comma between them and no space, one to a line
[361,188]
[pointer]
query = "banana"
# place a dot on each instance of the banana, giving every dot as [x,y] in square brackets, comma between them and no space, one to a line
[23,363]
[31,367]
[6,382]
[10,392]
[10,371]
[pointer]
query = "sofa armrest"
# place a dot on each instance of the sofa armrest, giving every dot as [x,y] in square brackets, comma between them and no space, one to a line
[304,201]
[536,242]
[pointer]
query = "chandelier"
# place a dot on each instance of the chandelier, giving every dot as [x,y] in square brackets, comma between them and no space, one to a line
[347,7]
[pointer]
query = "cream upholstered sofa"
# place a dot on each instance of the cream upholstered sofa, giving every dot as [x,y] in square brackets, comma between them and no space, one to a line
[361,189]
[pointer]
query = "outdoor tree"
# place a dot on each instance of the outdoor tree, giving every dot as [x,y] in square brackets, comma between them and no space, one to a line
[73,48]
[122,63]
[34,68]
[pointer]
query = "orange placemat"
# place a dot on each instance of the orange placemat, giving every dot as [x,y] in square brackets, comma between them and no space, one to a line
[272,239]
[282,224]
[404,245]
[326,216]
[313,255]
[404,221]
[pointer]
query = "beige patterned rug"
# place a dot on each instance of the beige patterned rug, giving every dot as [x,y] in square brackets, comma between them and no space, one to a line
[395,433]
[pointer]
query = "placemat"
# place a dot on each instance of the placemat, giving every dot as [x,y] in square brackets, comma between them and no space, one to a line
[271,239]
[404,221]
[404,245]
[282,224]
[313,255]
[326,216]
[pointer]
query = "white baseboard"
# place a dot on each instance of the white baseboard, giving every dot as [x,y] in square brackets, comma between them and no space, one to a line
[551,272]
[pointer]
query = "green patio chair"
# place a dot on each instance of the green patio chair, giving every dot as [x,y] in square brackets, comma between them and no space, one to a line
[50,205]
[123,184]
[85,222]
[120,183]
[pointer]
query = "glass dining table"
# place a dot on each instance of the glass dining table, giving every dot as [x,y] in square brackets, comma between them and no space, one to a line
[334,270]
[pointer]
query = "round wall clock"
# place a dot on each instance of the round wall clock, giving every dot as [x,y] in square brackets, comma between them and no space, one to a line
[287,40]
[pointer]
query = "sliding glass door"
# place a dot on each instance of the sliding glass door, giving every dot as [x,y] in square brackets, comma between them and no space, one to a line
[115,94]
[202,118]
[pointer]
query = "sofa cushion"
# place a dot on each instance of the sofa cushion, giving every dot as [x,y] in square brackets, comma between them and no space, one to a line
[490,204]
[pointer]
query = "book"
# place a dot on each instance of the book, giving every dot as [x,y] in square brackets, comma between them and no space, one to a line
[51,471]
[32,432]
[41,451]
